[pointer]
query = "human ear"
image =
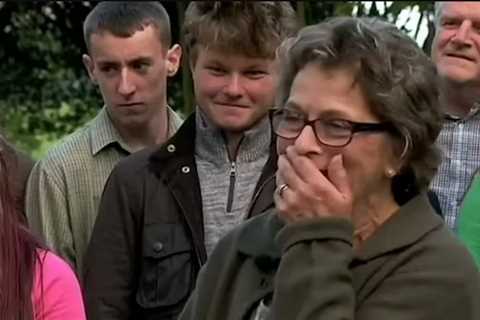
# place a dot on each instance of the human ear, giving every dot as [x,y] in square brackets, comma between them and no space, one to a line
[90,66]
[173,58]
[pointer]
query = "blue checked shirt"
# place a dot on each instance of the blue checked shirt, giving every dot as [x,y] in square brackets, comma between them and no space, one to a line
[459,141]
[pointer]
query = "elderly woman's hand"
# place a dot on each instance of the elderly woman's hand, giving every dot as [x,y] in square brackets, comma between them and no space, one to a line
[304,192]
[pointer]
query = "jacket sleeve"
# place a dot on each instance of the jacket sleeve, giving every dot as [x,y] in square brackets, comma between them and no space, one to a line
[113,253]
[47,211]
[314,280]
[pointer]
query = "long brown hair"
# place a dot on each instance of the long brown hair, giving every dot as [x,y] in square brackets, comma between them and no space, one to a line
[18,248]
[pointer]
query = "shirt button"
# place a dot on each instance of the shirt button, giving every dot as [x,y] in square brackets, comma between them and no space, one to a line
[185,169]
[171,148]
[460,125]
[157,247]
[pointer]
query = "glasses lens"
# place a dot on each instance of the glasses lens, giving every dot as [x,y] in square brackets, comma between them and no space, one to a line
[287,124]
[335,133]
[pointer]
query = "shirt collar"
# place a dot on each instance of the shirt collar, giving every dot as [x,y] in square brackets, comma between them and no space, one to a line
[103,133]
[175,121]
[474,111]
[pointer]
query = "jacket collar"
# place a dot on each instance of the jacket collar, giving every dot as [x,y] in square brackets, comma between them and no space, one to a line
[182,144]
[256,239]
[413,220]
[103,134]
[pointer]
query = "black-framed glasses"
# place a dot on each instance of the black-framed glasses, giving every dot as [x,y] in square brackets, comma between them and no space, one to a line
[289,124]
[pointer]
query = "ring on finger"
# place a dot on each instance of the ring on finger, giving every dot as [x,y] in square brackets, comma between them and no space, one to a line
[282,188]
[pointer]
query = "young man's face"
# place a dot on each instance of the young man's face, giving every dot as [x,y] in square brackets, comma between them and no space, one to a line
[234,91]
[132,74]
[456,47]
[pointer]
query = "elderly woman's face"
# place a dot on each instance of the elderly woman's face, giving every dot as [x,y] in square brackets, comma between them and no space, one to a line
[332,96]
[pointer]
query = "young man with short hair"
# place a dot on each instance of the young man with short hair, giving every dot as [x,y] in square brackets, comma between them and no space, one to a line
[164,209]
[129,57]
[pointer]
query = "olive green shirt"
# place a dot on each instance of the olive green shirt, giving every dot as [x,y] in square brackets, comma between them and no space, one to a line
[64,188]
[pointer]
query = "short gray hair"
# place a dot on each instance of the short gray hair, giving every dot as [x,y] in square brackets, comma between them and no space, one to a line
[438,5]
[397,78]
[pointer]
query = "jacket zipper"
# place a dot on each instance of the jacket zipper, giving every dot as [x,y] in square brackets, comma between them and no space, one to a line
[231,188]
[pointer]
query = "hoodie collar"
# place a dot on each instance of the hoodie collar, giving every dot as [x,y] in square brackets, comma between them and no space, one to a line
[211,145]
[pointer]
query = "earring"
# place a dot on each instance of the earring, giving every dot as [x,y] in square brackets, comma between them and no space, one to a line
[171,71]
[390,172]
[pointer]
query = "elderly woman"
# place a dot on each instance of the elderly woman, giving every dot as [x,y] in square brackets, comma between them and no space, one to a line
[353,235]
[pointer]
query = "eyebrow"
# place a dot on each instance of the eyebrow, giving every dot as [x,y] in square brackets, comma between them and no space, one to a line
[292,105]
[129,62]
[139,60]
[450,16]
[336,114]
[257,65]
[457,15]
[213,61]
[329,113]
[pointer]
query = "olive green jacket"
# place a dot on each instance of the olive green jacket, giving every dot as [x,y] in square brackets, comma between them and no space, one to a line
[412,268]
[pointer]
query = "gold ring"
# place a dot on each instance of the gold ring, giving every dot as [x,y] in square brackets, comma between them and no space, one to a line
[282,188]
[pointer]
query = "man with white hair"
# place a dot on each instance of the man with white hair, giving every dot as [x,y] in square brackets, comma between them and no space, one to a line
[456,53]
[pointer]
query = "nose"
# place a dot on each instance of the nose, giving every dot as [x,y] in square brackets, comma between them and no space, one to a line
[126,86]
[233,88]
[462,34]
[307,143]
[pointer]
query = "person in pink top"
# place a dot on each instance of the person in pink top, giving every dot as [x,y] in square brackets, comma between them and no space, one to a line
[35,283]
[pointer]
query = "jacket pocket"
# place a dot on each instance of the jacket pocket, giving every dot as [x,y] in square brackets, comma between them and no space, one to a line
[167,271]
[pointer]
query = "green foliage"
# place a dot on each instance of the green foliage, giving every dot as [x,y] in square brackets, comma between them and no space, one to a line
[44,93]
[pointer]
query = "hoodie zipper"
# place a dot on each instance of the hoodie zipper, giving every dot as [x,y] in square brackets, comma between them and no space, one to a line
[232,175]
[231,188]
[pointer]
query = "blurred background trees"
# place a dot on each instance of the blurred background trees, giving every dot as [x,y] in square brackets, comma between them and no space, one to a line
[45,93]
